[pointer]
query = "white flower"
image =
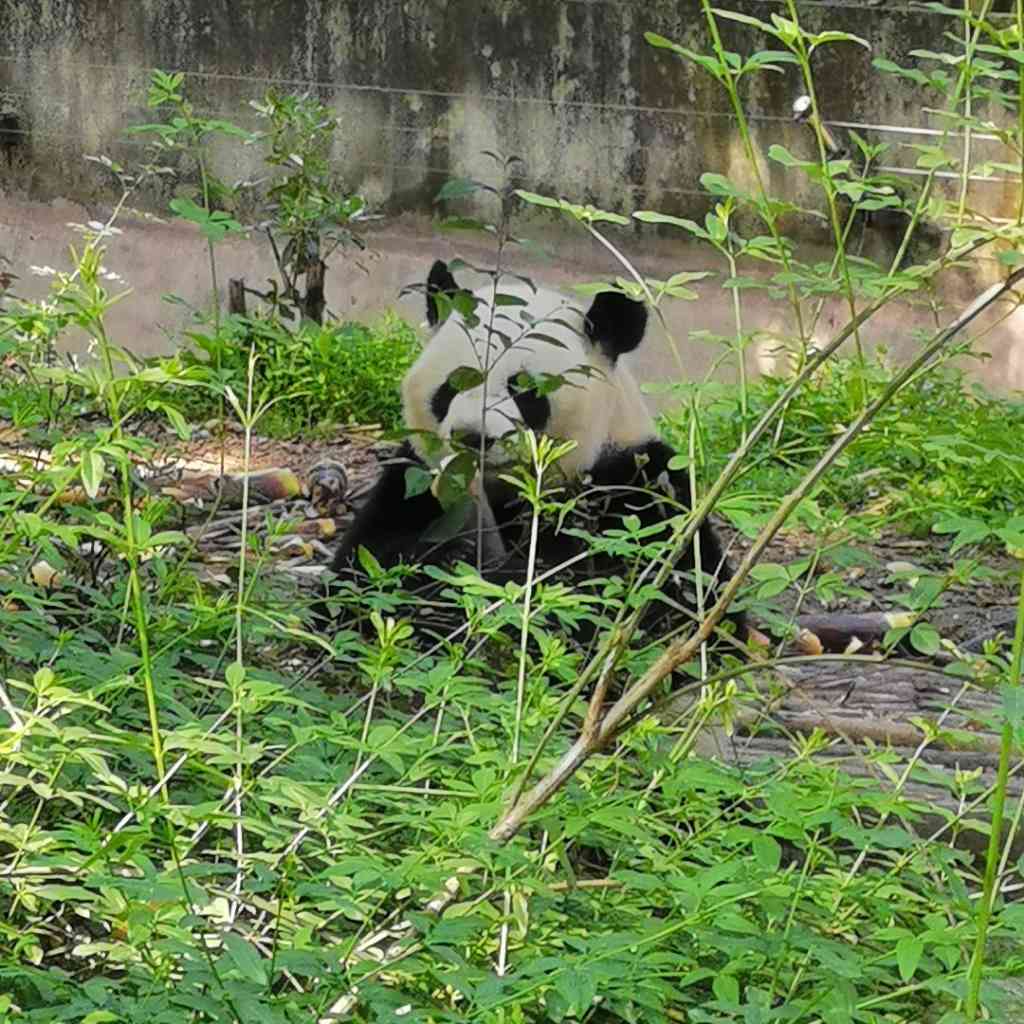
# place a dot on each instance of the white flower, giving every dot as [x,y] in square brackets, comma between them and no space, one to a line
[43,271]
[95,227]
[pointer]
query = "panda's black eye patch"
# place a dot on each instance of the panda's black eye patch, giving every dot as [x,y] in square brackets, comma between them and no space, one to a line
[534,407]
[462,378]
[441,401]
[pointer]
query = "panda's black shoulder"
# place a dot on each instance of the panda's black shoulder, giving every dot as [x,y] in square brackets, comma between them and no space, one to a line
[640,465]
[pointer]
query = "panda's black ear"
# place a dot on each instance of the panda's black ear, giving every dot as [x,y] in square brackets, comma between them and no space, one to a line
[439,281]
[615,323]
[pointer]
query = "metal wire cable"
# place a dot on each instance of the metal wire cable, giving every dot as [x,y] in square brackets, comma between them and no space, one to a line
[517,100]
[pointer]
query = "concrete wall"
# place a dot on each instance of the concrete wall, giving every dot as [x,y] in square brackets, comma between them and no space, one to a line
[422,87]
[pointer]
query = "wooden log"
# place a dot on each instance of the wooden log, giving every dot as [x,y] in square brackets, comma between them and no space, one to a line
[847,632]
[236,296]
[314,302]
[936,804]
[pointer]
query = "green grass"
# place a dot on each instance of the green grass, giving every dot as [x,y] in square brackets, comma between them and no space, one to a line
[943,452]
[321,377]
[666,886]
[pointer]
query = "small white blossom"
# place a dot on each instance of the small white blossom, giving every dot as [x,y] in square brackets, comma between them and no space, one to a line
[94,227]
[104,229]
[46,271]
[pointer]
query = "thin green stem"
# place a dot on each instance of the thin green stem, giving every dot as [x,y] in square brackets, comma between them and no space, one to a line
[240,603]
[737,316]
[132,554]
[1019,41]
[531,568]
[965,160]
[799,50]
[962,82]
[995,837]
[215,285]
[764,207]
[141,627]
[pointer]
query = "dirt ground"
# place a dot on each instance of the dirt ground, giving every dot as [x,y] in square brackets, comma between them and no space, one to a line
[157,259]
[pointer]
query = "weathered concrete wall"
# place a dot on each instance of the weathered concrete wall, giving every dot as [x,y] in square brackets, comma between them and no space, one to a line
[422,87]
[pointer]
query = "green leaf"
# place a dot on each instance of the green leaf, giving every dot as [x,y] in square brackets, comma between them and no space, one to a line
[214,225]
[458,506]
[767,852]
[452,484]
[538,200]
[931,157]
[925,638]
[465,378]
[459,188]
[967,530]
[65,893]
[745,19]
[712,65]
[1013,705]
[417,481]
[245,958]
[781,155]
[370,565]
[719,185]
[578,989]
[820,38]
[585,214]
[92,469]
[716,226]
[1012,535]
[189,210]
[908,955]
[726,989]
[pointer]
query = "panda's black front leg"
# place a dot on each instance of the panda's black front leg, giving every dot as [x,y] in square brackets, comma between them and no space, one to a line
[415,529]
[621,472]
[390,525]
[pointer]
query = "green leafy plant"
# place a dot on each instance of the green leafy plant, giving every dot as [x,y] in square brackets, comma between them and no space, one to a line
[907,471]
[336,375]
[189,133]
[310,215]
[202,819]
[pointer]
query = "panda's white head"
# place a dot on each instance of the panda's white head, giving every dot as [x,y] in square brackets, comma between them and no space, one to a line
[484,375]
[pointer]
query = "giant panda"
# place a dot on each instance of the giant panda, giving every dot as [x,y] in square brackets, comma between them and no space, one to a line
[557,371]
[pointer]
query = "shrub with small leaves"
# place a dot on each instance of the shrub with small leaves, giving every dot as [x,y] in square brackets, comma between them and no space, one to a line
[331,375]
